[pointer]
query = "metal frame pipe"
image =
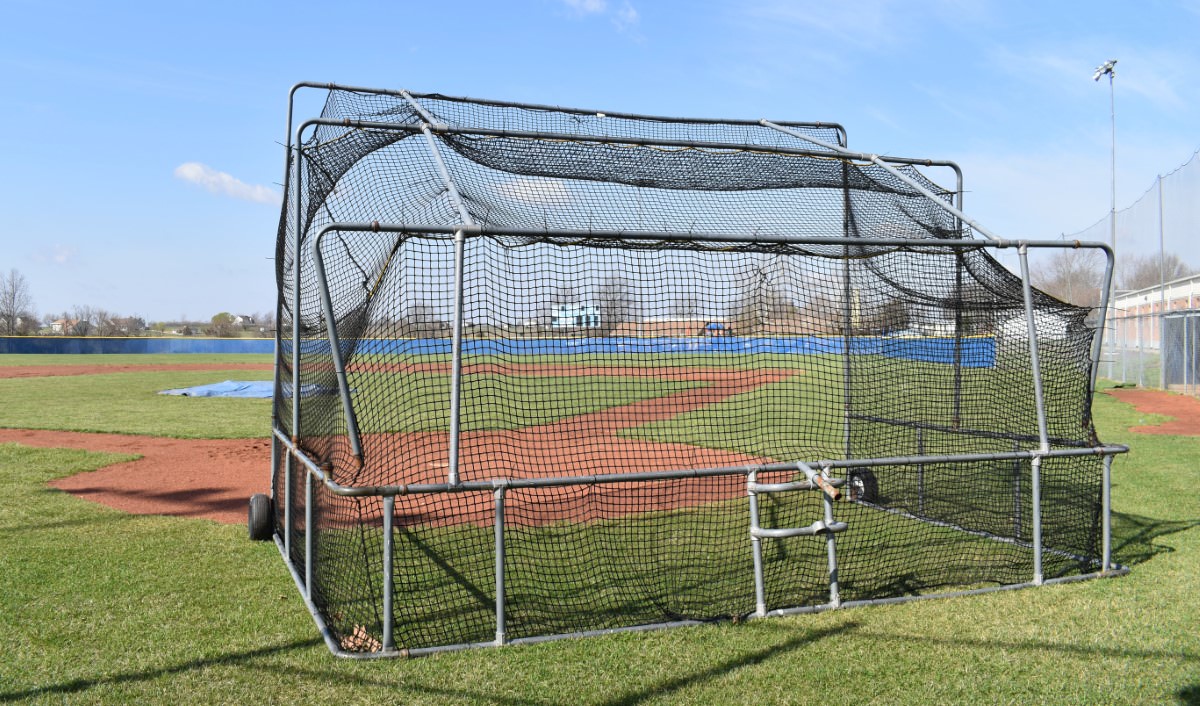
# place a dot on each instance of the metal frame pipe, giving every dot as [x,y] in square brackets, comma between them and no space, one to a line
[1034,357]
[1035,463]
[835,598]
[442,128]
[309,571]
[427,229]
[600,479]
[760,594]
[402,93]
[885,163]
[501,634]
[456,361]
[452,475]
[1106,516]
[335,351]
[389,568]
[1105,294]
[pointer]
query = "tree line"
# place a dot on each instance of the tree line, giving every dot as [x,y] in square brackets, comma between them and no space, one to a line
[19,317]
[1076,275]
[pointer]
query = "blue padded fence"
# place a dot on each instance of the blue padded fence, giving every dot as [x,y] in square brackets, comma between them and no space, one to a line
[72,344]
[974,352]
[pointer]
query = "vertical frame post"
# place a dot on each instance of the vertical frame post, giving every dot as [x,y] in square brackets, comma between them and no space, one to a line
[835,597]
[920,473]
[308,536]
[389,579]
[500,557]
[456,355]
[760,593]
[297,236]
[289,471]
[1040,401]
[1106,516]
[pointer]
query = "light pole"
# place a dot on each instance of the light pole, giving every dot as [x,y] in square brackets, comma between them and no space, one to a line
[1108,68]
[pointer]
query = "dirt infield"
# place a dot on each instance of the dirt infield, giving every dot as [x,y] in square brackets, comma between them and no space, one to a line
[1184,409]
[179,477]
[214,478]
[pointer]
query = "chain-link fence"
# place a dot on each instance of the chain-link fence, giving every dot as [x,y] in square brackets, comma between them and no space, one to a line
[1158,289]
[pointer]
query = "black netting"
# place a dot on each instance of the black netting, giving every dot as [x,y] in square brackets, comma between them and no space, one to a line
[591,354]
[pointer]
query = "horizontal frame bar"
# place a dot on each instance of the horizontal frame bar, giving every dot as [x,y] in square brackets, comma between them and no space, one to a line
[606,478]
[443,129]
[400,93]
[483,231]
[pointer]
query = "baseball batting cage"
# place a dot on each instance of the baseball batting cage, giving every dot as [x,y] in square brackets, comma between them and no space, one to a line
[547,372]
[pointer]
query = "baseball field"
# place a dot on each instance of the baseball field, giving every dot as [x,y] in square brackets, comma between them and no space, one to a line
[126,576]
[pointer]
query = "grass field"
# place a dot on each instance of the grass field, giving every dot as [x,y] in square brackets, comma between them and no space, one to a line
[102,607]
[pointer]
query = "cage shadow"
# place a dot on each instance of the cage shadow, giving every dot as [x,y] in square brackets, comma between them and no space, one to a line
[748,660]
[77,686]
[1189,695]
[1135,537]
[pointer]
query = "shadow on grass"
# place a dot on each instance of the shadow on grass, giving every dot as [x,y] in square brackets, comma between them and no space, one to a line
[76,686]
[1177,655]
[1134,536]
[655,691]
[718,670]
[1189,695]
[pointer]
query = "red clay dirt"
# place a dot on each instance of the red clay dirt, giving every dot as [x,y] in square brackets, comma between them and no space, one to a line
[179,477]
[214,478]
[1184,409]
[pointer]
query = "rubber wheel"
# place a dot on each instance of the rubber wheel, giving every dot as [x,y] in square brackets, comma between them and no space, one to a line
[863,486]
[261,519]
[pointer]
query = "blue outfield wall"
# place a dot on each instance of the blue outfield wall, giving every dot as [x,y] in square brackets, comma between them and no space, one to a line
[974,352]
[71,344]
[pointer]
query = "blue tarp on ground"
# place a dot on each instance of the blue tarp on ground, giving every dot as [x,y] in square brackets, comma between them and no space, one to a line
[255,389]
[229,388]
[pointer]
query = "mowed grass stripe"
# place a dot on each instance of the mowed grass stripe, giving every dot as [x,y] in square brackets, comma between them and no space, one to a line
[101,607]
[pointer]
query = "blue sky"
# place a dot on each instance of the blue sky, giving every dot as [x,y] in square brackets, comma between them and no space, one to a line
[140,140]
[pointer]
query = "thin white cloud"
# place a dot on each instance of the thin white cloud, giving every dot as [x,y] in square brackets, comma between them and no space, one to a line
[626,17]
[218,182]
[57,254]
[587,7]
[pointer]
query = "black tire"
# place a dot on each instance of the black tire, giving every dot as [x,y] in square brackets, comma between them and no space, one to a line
[862,486]
[261,519]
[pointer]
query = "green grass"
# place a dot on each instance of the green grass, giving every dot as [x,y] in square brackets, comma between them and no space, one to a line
[421,401]
[102,607]
[129,403]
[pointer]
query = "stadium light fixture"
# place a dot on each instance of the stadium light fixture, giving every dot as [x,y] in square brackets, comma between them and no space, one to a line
[1107,68]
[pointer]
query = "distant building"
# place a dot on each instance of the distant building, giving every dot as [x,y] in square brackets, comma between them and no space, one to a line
[64,326]
[1136,316]
[575,316]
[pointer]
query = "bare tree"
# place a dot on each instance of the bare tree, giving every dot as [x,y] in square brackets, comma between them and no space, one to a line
[1073,275]
[16,304]
[615,300]
[84,321]
[764,303]
[1140,272]
[686,305]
